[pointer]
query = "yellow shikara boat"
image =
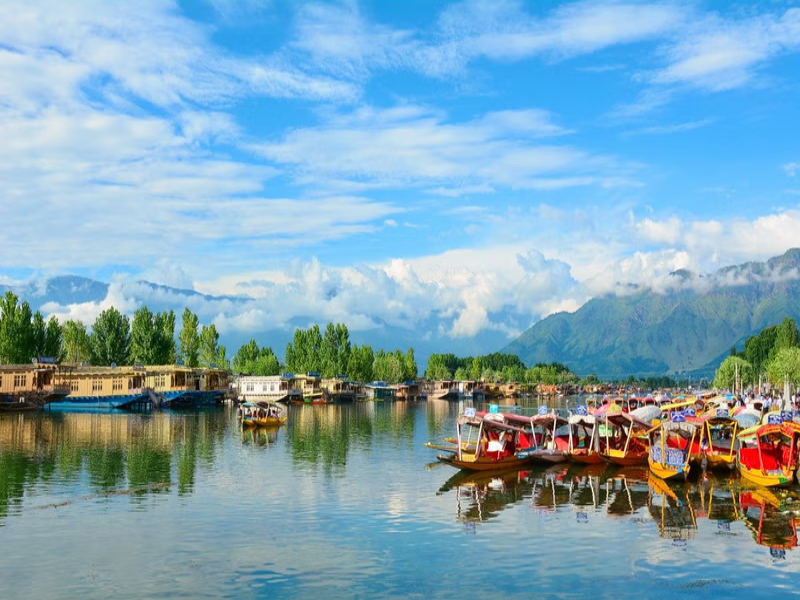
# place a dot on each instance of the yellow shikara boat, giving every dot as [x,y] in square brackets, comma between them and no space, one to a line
[262,414]
[768,453]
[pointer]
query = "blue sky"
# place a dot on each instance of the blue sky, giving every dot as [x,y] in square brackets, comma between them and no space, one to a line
[448,168]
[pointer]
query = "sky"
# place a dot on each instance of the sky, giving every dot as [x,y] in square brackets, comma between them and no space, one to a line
[455,169]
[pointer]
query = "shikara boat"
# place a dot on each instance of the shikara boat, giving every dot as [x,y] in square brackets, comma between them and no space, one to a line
[584,439]
[671,447]
[624,438]
[550,436]
[262,414]
[487,441]
[768,453]
[718,443]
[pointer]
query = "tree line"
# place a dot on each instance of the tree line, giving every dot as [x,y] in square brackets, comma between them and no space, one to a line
[329,353]
[112,339]
[771,356]
[496,367]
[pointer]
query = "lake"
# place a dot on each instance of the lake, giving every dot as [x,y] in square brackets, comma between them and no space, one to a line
[346,502]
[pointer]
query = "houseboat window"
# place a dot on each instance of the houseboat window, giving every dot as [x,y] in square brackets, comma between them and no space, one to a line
[116,385]
[97,385]
[20,380]
[1,381]
[73,386]
[250,386]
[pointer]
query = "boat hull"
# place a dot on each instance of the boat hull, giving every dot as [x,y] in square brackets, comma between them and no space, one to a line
[586,459]
[769,479]
[266,422]
[667,472]
[485,464]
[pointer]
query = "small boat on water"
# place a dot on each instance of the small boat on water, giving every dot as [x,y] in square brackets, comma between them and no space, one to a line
[624,437]
[551,438]
[584,439]
[768,454]
[262,414]
[671,447]
[718,443]
[488,440]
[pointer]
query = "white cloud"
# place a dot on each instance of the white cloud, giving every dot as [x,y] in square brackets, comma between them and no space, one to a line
[412,145]
[720,54]
[792,168]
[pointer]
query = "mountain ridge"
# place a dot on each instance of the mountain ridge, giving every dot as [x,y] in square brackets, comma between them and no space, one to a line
[686,330]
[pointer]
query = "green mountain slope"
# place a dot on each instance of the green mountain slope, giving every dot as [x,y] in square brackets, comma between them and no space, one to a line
[684,331]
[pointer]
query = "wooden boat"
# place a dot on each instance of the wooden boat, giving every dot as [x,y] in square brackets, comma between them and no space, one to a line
[550,437]
[486,441]
[584,439]
[262,414]
[671,446]
[624,437]
[718,443]
[768,453]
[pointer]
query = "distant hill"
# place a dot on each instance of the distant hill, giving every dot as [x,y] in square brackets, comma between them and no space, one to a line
[688,330]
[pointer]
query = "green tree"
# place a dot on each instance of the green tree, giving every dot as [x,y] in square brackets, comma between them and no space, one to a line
[221,360]
[110,339]
[189,339]
[786,336]
[144,337]
[360,363]
[733,371]
[165,326]
[17,343]
[252,360]
[437,367]
[52,339]
[785,363]
[209,338]
[304,355]
[410,369]
[387,367]
[74,342]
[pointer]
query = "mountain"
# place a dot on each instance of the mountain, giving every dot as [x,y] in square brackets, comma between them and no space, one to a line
[688,330]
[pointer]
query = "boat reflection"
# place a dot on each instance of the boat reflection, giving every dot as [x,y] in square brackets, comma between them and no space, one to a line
[722,504]
[481,496]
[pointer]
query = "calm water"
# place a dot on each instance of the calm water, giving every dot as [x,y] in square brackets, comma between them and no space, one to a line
[345,502]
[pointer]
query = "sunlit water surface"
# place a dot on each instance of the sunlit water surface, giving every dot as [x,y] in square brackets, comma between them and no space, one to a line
[346,502]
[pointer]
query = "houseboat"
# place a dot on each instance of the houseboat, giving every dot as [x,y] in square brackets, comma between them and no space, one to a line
[340,389]
[181,386]
[266,388]
[105,387]
[31,386]
[378,391]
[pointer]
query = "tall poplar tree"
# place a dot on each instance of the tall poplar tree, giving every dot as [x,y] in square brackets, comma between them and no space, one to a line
[189,339]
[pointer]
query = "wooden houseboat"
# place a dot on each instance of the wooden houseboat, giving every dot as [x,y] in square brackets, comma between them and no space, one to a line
[31,386]
[266,388]
[105,387]
[181,386]
[340,389]
[446,389]
[378,391]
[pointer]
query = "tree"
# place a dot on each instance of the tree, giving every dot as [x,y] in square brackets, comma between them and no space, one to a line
[165,326]
[335,349]
[110,339]
[360,363]
[189,339]
[305,354]
[144,337]
[410,369]
[387,367]
[209,338]
[221,360]
[251,360]
[52,339]
[733,371]
[17,344]
[74,342]
[786,336]
[437,367]
[786,363]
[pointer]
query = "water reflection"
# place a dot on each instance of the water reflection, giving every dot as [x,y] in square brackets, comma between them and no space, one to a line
[117,453]
[679,510]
